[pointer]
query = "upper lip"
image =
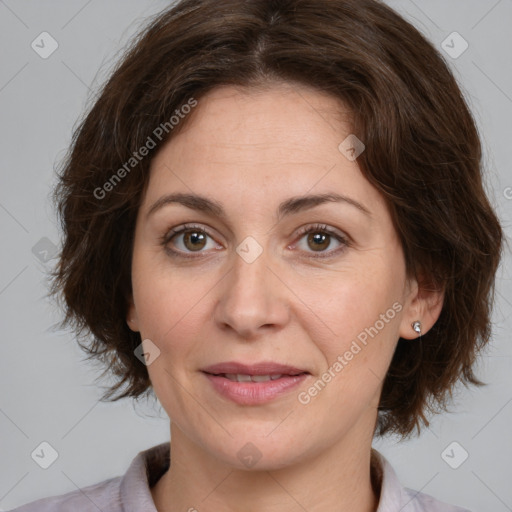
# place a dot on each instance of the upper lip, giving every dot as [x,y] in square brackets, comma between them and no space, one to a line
[261,368]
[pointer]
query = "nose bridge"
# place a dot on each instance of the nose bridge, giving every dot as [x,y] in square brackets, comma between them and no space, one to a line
[250,297]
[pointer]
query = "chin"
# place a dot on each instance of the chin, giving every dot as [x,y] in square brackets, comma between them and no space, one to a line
[258,452]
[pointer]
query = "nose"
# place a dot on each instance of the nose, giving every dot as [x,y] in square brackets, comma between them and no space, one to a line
[252,298]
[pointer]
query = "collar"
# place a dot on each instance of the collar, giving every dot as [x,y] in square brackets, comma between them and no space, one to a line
[149,465]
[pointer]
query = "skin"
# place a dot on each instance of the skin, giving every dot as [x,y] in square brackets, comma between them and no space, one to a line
[250,150]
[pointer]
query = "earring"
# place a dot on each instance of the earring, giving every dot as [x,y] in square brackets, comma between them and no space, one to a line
[417,327]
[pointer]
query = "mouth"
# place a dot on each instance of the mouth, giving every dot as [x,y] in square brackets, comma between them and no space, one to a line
[255,372]
[240,377]
[254,384]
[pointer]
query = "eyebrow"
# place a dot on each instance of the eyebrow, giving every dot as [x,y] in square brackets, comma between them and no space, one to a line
[291,205]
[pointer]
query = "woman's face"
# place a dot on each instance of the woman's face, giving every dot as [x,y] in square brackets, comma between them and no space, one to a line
[253,288]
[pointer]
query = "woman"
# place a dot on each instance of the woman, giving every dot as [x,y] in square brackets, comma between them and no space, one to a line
[274,219]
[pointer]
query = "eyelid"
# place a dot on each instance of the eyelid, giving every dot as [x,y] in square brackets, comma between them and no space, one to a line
[180,229]
[341,237]
[316,226]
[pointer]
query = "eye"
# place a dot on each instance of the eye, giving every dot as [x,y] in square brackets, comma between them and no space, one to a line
[319,238]
[187,239]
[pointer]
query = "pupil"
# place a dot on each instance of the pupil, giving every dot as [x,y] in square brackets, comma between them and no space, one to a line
[319,240]
[194,237]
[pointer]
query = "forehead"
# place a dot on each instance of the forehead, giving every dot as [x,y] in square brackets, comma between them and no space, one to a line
[276,142]
[259,122]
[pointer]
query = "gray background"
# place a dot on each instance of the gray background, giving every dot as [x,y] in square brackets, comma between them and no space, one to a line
[47,391]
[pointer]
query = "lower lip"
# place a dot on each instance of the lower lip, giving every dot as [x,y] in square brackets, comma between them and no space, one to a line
[254,393]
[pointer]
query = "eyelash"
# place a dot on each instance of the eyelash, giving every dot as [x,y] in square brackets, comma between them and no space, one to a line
[316,228]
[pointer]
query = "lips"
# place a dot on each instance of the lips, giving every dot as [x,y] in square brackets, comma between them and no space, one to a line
[254,393]
[254,384]
[240,377]
[245,372]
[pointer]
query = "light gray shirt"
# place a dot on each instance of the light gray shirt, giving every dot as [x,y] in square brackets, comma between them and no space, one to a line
[131,492]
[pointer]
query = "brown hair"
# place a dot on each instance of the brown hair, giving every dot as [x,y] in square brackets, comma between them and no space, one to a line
[422,153]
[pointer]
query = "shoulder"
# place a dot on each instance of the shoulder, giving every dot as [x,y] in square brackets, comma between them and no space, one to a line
[115,494]
[393,496]
[419,502]
[101,496]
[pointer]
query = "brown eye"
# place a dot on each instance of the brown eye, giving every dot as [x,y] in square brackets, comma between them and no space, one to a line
[318,241]
[186,240]
[194,240]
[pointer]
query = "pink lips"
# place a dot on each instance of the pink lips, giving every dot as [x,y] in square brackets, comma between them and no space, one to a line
[283,378]
[262,368]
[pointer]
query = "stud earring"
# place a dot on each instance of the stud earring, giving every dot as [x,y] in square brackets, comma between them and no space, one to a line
[417,327]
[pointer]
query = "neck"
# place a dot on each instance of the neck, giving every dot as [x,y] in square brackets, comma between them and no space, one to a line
[337,479]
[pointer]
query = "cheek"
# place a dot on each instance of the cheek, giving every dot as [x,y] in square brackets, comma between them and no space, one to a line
[166,299]
[170,313]
[352,299]
[363,326]
[357,317]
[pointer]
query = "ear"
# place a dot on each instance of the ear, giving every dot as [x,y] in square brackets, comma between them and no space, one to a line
[131,315]
[424,302]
